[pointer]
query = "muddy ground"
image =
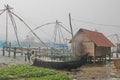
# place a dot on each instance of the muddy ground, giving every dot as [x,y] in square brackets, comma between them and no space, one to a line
[95,72]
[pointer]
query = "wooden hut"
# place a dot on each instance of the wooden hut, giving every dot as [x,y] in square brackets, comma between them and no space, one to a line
[92,42]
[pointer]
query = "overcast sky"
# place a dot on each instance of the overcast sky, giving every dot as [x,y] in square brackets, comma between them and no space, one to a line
[38,12]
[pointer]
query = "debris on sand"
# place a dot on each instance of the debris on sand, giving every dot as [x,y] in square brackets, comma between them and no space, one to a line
[95,73]
[117,63]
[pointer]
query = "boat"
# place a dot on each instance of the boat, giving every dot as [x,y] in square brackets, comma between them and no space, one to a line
[62,65]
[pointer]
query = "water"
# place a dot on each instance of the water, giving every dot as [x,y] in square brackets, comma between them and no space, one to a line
[20,59]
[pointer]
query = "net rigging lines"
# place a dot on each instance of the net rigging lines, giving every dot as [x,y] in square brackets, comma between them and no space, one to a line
[93,23]
[11,15]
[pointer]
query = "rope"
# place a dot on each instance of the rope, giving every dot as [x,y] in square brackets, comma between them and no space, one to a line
[95,23]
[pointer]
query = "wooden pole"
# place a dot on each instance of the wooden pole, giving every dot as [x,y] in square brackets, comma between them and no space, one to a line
[109,57]
[105,58]
[94,59]
[3,51]
[72,44]
[28,53]
[94,54]
[70,25]
[9,49]
[39,51]
[6,26]
[14,52]
[25,57]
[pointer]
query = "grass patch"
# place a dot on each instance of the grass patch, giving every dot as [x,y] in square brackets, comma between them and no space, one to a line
[53,77]
[30,73]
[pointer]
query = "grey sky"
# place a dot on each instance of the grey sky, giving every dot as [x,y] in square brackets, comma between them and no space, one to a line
[38,12]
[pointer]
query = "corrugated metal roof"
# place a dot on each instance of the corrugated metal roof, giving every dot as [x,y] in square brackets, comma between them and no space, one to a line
[98,38]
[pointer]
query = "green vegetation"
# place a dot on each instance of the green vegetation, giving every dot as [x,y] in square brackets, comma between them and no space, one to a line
[53,77]
[30,73]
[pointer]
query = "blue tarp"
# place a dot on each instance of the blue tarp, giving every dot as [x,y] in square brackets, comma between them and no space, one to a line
[57,46]
[24,44]
[2,44]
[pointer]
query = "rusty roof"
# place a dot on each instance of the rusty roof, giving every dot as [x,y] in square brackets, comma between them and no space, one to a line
[98,38]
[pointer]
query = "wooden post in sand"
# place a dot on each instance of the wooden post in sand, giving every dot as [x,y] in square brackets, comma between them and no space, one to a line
[94,59]
[3,51]
[25,57]
[109,57]
[39,52]
[105,58]
[28,53]
[22,51]
[14,52]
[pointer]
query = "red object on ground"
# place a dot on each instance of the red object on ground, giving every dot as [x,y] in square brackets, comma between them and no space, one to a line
[117,63]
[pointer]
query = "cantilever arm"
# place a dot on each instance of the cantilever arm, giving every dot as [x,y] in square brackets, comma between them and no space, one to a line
[64,28]
[44,25]
[29,29]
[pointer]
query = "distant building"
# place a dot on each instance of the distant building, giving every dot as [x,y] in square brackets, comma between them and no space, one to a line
[92,42]
[30,40]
